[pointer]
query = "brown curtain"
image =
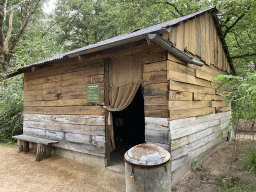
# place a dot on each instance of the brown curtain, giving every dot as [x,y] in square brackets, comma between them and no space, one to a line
[125,77]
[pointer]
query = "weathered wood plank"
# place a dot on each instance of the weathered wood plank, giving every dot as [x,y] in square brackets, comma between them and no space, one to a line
[70,128]
[181,132]
[222,109]
[180,152]
[70,110]
[173,35]
[199,96]
[184,113]
[155,77]
[203,75]
[180,36]
[67,119]
[176,76]
[218,103]
[34,139]
[214,98]
[157,113]
[179,162]
[159,66]
[173,66]
[198,36]
[155,89]
[156,57]
[83,148]
[174,85]
[174,105]
[148,107]
[180,96]
[179,123]
[157,121]
[156,136]
[156,100]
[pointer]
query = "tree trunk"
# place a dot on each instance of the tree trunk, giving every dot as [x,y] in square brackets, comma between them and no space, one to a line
[5,65]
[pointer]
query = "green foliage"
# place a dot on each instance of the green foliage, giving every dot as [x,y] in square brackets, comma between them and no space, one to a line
[197,165]
[249,162]
[11,109]
[241,94]
[229,186]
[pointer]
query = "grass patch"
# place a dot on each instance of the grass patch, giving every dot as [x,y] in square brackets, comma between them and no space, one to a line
[229,186]
[195,165]
[249,161]
[10,144]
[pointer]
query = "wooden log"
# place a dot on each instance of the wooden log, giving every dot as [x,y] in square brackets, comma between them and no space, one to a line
[184,69]
[156,100]
[222,109]
[157,113]
[185,113]
[174,85]
[20,146]
[175,105]
[155,89]
[148,107]
[177,133]
[157,136]
[176,76]
[70,110]
[180,96]
[203,75]
[218,103]
[155,77]
[70,128]
[156,57]
[159,66]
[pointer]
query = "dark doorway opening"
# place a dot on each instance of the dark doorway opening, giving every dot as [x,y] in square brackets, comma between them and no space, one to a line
[129,128]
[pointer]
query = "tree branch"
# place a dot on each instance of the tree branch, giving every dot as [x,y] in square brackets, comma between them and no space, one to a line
[14,7]
[29,13]
[238,19]
[175,7]
[242,56]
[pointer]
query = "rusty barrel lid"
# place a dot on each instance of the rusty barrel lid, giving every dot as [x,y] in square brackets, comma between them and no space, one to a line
[147,154]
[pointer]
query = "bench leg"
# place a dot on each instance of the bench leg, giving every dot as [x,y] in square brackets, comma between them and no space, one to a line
[23,146]
[43,151]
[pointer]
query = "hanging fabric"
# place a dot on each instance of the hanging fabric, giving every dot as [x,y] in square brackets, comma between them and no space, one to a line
[125,77]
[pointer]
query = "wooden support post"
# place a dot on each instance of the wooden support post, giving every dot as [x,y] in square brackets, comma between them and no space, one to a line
[20,146]
[25,146]
[39,156]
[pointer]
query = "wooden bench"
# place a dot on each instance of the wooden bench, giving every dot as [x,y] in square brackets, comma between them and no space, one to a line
[44,146]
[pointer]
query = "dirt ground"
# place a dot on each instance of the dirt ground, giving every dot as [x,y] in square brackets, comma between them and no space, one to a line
[223,166]
[20,172]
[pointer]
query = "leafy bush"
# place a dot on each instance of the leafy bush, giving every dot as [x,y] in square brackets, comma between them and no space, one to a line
[249,162]
[11,109]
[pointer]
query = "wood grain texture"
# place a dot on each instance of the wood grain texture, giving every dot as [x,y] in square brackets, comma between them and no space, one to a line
[184,113]
[180,96]
[190,88]
[173,66]
[70,110]
[175,105]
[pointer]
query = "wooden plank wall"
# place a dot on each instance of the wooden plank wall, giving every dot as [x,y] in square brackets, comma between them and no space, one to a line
[61,89]
[55,105]
[155,84]
[81,133]
[199,37]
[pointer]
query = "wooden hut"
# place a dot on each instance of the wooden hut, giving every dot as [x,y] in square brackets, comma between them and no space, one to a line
[150,85]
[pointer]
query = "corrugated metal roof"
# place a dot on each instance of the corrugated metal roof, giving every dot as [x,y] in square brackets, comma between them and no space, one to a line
[115,41]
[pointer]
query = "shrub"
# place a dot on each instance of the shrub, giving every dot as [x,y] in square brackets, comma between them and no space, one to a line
[249,162]
[11,109]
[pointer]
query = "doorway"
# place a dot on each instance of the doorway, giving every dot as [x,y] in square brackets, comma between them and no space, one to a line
[129,129]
